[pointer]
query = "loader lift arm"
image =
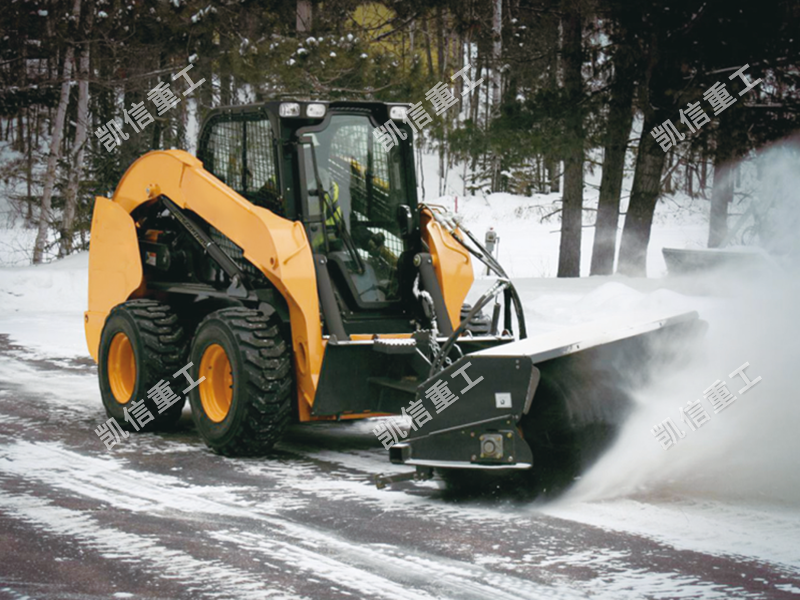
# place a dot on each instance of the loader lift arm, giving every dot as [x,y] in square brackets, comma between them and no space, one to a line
[277,247]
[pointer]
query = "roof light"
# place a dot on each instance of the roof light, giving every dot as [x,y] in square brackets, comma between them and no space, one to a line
[398,112]
[289,109]
[315,111]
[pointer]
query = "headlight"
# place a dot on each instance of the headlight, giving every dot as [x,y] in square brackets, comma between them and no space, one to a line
[289,109]
[398,113]
[315,111]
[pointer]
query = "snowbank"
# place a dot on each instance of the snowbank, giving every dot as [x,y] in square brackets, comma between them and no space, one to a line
[42,306]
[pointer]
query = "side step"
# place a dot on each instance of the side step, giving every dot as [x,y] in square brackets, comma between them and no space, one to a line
[395,346]
[409,386]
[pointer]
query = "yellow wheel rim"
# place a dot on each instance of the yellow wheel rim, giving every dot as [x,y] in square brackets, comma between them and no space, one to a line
[121,368]
[216,391]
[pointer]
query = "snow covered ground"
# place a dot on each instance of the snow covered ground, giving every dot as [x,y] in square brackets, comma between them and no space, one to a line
[728,490]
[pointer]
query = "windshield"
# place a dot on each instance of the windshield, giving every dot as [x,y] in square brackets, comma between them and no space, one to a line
[362,188]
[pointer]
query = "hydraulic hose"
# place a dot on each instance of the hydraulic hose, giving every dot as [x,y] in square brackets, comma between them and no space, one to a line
[511,297]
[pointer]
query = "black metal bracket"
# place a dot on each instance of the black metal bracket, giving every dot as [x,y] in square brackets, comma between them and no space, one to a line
[238,287]
[424,262]
[330,309]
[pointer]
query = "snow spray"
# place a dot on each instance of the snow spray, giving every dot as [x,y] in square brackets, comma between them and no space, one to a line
[750,449]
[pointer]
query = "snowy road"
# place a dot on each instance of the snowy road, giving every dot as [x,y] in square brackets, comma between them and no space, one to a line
[161,517]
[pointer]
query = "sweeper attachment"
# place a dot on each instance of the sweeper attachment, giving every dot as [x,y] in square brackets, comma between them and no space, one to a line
[290,274]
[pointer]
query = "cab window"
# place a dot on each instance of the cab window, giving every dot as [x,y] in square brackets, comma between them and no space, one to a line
[241,154]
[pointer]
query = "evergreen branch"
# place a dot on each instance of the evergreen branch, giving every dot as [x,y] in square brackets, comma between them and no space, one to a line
[393,31]
[322,87]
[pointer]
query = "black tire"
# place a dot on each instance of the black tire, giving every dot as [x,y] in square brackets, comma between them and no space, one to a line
[159,350]
[480,323]
[259,359]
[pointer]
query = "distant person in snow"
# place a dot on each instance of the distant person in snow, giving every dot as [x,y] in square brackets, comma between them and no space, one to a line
[491,242]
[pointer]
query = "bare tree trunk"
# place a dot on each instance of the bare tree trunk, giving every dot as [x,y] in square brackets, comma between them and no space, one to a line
[205,97]
[460,45]
[428,47]
[446,160]
[440,41]
[475,104]
[553,175]
[441,168]
[160,136]
[81,128]
[487,121]
[38,126]
[304,16]
[55,148]
[225,79]
[497,91]
[20,141]
[618,130]
[644,195]
[29,168]
[497,53]
[667,183]
[538,179]
[569,257]
[475,97]
[721,197]
[25,136]
[551,160]
[421,171]
[703,176]
[722,190]
[68,220]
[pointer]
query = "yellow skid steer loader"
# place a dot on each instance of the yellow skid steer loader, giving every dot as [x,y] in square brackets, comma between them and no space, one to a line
[292,268]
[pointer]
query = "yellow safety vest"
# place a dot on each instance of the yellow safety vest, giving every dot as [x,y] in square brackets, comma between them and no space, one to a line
[330,222]
[334,203]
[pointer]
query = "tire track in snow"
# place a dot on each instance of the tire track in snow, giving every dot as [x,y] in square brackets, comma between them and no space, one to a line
[450,578]
[212,579]
[355,566]
[105,479]
[305,474]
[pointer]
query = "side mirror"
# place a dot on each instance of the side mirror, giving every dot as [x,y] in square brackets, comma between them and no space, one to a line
[405,219]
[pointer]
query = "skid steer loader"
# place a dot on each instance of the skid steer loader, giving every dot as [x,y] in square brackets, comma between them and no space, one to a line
[289,273]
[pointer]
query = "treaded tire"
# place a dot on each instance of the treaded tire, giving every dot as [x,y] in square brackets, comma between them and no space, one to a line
[261,368]
[159,347]
[480,323]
